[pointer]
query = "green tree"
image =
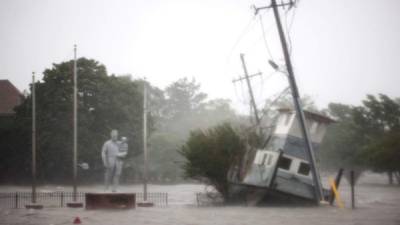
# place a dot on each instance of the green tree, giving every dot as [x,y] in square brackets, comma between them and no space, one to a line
[210,154]
[364,137]
[164,159]
[342,145]
[104,102]
[182,107]
[379,121]
[384,155]
[183,98]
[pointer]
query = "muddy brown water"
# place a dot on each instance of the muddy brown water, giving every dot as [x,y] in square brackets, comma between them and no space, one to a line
[376,202]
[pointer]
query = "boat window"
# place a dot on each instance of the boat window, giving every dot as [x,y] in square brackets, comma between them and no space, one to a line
[304,169]
[284,163]
[264,159]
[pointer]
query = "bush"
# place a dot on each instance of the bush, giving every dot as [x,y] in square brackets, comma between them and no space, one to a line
[210,154]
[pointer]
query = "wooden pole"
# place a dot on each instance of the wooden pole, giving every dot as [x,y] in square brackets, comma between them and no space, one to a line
[352,183]
[253,102]
[298,107]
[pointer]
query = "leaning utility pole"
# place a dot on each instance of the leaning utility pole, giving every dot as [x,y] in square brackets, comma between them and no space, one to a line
[75,147]
[296,98]
[247,77]
[253,102]
[33,139]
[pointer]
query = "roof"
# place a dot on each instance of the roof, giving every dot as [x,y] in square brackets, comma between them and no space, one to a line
[10,97]
[311,115]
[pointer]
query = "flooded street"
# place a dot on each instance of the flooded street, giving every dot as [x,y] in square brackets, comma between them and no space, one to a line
[265,100]
[376,202]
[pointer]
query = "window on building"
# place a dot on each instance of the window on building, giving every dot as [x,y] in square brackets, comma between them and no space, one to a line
[284,163]
[304,169]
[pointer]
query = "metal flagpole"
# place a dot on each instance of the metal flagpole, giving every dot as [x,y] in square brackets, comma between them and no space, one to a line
[33,139]
[145,140]
[75,105]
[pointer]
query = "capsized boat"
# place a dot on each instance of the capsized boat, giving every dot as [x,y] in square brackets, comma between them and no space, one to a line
[282,166]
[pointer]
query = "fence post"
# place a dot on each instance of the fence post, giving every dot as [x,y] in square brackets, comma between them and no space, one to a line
[62,199]
[167,198]
[16,200]
[352,183]
[197,199]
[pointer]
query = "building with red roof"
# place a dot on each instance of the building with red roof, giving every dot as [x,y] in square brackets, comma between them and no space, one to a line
[10,97]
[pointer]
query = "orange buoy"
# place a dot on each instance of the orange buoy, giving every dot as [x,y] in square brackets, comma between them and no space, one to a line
[77,220]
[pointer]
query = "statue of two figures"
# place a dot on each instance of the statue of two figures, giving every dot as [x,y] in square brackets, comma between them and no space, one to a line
[113,153]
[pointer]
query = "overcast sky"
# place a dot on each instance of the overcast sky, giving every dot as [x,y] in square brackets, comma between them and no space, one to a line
[341,50]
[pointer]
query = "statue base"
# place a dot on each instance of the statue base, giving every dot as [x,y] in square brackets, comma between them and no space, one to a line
[145,204]
[34,206]
[110,200]
[74,204]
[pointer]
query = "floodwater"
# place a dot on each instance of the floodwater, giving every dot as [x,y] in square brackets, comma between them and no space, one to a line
[377,204]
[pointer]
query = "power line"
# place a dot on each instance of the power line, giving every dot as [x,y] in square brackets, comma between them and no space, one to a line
[289,27]
[293,16]
[265,37]
[242,34]
[261,91]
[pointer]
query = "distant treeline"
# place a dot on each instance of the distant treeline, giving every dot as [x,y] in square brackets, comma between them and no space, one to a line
[365,137]
[105,102]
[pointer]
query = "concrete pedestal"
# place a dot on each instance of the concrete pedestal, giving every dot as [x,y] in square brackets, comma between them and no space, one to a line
[110,200]
[74,204]
[145,204]
[34,206]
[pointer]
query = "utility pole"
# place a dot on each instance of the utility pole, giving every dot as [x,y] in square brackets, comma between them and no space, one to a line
[247,78]
[75,147]
[145,140]
[253,103]
[296,98]
[33,139]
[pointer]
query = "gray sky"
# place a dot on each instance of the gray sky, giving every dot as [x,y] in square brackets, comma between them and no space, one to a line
[341,50]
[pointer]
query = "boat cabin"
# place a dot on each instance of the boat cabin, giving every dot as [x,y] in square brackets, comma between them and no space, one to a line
[283,164]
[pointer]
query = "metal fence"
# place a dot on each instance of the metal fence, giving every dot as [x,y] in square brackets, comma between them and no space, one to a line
[158,198]
[209,198]
[60,199]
